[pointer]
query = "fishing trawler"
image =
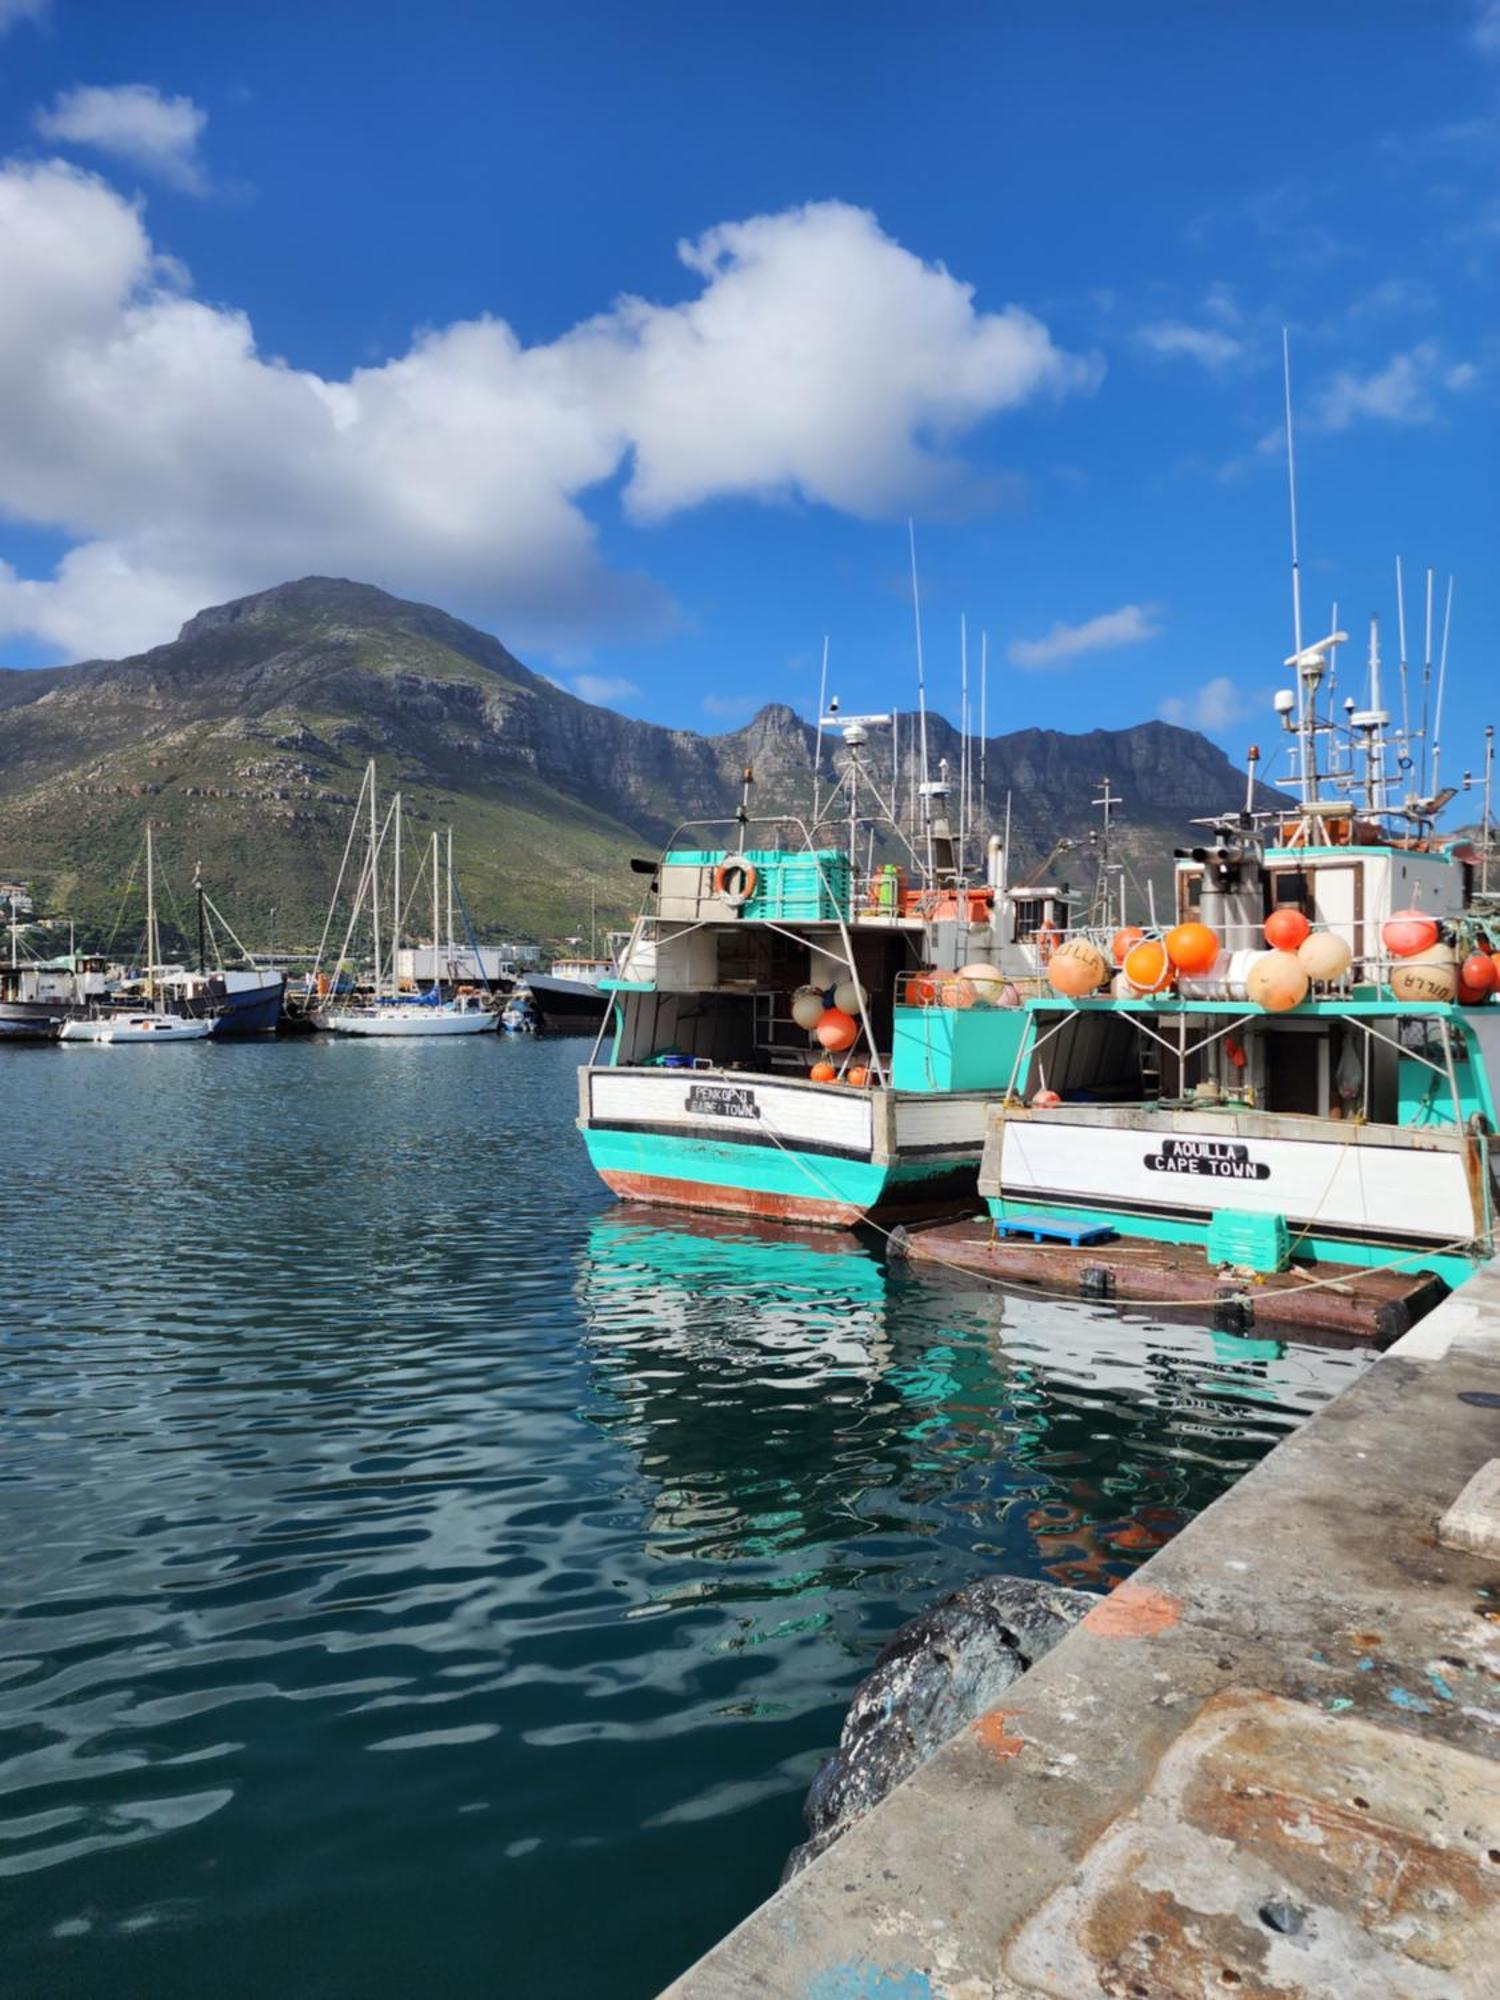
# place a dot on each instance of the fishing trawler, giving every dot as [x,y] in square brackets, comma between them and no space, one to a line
[1300,1076]
[797,1033]
[385,1009]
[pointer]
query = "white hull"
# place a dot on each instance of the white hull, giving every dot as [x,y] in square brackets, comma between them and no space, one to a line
[1377,1183]
[107,1031]
[406,1022]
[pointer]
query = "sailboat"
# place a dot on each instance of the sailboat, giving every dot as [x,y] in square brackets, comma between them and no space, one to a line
[151,1022]
[389,1012]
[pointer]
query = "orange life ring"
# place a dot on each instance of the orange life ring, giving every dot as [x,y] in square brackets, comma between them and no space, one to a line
[735,880]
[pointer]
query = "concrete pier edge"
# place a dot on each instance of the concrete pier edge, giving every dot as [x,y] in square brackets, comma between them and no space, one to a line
[1268,1763]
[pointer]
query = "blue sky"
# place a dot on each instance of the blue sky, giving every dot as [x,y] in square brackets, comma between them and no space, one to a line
[635,333]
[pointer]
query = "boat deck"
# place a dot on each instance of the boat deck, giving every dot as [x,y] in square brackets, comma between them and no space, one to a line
[1377,1306]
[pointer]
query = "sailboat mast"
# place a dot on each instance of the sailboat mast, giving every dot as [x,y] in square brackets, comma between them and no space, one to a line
[396,902]
[150,920]
[374,886]
[451,960]
[435,880]
[202,926]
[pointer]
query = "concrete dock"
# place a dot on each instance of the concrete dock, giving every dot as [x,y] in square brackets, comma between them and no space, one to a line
[1267,1765]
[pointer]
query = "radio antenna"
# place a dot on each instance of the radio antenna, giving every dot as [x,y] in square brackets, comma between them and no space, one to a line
[984,721]
[818,750]
[1405,701]
[1291,481]
[1426,690]
[963,741]
[1437,713]
[916,609]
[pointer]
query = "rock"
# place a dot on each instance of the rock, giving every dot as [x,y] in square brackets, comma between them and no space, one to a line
[940,1671]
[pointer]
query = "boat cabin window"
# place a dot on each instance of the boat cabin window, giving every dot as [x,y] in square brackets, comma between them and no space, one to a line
[1289,887]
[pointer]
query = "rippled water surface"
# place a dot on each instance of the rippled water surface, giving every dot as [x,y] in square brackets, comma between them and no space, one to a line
[420,1575]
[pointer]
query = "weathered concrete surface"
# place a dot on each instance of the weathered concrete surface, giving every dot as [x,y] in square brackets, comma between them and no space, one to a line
[943,1669]
[1267,1765]
[1473,1521]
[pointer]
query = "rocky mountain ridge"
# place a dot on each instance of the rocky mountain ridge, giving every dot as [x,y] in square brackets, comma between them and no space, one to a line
[246,736]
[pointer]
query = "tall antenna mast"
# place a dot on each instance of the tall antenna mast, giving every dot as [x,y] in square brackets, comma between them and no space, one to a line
[1437,713]
[1426,691]
[1405,755]
[984,720]
[1291,477]
[923,793]
[818,749]
[963,741]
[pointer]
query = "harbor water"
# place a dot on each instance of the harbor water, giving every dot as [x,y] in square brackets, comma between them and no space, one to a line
[420,1574]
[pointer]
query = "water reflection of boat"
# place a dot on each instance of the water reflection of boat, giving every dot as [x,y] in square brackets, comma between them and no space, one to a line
[788,1291]
[784,1393]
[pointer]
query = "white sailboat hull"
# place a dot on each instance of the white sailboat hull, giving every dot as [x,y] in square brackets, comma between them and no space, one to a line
[387,1022]
[145,1028]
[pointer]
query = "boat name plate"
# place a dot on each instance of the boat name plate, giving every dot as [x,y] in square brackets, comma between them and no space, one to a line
[723,1100]
[1222,1159]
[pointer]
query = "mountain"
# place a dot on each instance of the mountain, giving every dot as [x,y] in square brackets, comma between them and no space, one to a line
[244,739]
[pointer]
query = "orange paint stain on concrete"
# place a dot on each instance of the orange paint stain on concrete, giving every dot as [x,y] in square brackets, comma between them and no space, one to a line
[996,1738]
[1134,1611]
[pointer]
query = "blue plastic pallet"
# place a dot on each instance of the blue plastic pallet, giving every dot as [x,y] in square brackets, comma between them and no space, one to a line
[1045,1229]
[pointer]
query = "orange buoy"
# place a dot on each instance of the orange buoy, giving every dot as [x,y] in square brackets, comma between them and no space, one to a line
[1286,928]
[1122,941]
[1408,932]
[1192,948]
[920,991]
[1478,972]
[1076,969]
[1045,1098]
[836,1030]
[859,1076]
[823,1072]
[1147,966]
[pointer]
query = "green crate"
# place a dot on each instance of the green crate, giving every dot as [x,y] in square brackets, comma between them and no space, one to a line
[801,887]
[1253,1242]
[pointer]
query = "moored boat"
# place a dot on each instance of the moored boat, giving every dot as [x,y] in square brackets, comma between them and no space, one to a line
[384,1009]
[152,1021]
[792,1038]
[1302,1077]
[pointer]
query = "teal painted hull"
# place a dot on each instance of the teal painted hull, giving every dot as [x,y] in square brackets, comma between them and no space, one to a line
[773,1181]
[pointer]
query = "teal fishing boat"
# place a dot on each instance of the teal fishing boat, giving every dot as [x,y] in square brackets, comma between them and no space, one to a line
[798,1033]
[1302,1072]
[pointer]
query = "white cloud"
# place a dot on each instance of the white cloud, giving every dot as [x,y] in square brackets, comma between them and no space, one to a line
[603,687]
[1215,707]
[1128,626]
[1403,392]
[135,123]
[816,358]
[1208,345]
[14,11]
